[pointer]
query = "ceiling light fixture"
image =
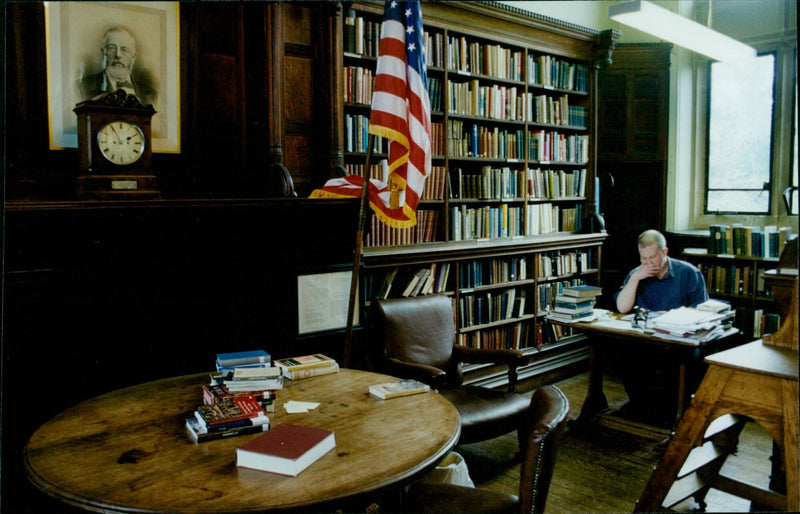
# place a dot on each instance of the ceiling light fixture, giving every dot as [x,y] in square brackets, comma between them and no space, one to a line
[667,25]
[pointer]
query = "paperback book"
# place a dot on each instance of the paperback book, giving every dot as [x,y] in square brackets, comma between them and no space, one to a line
[250,357]
[200,434]
[397,389]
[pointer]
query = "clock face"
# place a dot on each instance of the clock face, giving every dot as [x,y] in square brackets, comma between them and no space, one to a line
[121,142]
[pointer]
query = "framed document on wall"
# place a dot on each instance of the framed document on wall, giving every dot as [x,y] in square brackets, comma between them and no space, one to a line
[323,300]
[100,47]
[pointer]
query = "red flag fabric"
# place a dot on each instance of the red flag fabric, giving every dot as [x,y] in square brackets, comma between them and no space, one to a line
[401,114]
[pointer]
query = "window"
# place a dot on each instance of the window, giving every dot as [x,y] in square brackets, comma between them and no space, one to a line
[792,193]
[739,164]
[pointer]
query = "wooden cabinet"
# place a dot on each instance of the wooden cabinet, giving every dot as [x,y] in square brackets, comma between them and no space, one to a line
[633,119]
[502,223]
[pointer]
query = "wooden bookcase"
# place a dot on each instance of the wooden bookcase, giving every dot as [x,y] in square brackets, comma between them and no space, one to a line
[736,278]
[503,216]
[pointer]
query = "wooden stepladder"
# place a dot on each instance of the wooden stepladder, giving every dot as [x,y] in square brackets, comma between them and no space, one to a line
[754,380]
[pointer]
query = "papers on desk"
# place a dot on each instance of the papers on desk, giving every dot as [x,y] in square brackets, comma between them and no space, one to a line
[691,325]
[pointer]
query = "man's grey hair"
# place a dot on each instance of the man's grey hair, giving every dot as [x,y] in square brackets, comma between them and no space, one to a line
[650,237]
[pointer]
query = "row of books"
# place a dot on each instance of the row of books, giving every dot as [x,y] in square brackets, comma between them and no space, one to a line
[467,223]
[407,282]
[556,183]
[490,307]
[362,37]
[356,135]
[489,184]
[556,111]
[546,218]
[358,83]
[551,146]
[514,337]
[748,241]
[551,72]
[756,323]
[424,231]
[734,280]
[482,59]
[560,263]
[484,142]
[498,102]
[496,271]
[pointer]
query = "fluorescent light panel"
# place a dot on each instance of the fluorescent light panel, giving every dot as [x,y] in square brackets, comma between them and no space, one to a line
[667,25]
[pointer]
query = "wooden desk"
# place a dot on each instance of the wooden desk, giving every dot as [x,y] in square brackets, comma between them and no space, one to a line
[684,355]
[128,450]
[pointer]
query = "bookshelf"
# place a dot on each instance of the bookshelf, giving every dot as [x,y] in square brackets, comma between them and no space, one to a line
[502,222]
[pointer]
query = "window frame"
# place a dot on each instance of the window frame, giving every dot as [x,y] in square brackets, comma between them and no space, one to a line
[769,186]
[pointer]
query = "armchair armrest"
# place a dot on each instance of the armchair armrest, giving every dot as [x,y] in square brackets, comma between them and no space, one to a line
[432,376]
[511,358]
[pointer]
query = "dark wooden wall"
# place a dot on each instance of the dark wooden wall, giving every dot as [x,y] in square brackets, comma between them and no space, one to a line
[97,295]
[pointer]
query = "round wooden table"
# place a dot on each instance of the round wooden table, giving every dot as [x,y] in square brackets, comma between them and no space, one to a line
[128,450]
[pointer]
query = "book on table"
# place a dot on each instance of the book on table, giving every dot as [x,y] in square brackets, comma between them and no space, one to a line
[231,413]
[562,306]
[285,449]
[200,434]
[397,389]
[316,360]
[249,357]
[574,316]
[249,379]
[581,291]
[300,374]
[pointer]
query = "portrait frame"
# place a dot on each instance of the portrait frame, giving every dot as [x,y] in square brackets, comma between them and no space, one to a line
[74,32]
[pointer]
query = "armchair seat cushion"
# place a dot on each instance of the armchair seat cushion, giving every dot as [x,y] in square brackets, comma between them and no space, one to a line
[486,413]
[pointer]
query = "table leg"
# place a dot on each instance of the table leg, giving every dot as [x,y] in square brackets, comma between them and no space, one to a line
[595,401]
[681,393]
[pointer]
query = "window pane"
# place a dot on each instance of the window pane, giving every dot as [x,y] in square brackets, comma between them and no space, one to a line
[738,201]
[740,131]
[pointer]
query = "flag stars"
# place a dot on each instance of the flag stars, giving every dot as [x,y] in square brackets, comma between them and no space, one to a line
[412,47]
[393,4]
[408,13]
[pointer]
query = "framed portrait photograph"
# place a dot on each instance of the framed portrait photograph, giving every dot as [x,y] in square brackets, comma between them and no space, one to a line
[97,47]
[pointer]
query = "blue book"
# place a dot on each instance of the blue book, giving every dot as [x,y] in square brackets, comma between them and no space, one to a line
[232,359]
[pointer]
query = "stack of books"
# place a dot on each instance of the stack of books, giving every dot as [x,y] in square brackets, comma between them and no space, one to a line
[575,303]
[227,418]
[244,359]
[306,366]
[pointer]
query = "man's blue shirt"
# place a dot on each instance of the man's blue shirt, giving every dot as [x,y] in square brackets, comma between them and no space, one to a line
[682,286]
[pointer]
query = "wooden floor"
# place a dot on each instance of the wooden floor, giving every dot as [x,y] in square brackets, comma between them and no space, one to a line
[607,470]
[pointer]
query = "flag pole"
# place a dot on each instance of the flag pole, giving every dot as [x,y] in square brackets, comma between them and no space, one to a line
[362,219]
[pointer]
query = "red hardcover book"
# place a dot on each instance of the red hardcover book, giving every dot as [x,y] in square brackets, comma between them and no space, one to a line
[230,409]
[285,449]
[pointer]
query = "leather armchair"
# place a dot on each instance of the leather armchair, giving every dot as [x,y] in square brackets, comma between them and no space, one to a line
[544,423]
[414,338]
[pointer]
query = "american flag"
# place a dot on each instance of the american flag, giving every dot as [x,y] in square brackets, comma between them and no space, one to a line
[401,114]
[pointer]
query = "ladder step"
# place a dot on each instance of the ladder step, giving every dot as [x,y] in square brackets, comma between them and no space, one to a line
[700,457]
[727,422]
[682,489]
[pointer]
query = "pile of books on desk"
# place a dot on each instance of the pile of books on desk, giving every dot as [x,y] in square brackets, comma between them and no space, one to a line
[690,324]
[575,303]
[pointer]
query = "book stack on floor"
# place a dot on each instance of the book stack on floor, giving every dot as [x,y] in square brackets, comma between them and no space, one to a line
[575,303]
[307,366]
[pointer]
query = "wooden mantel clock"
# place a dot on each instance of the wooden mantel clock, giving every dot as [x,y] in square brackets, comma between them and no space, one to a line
[115,147]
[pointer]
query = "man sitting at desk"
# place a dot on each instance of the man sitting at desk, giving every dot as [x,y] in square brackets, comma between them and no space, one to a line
[659,283]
